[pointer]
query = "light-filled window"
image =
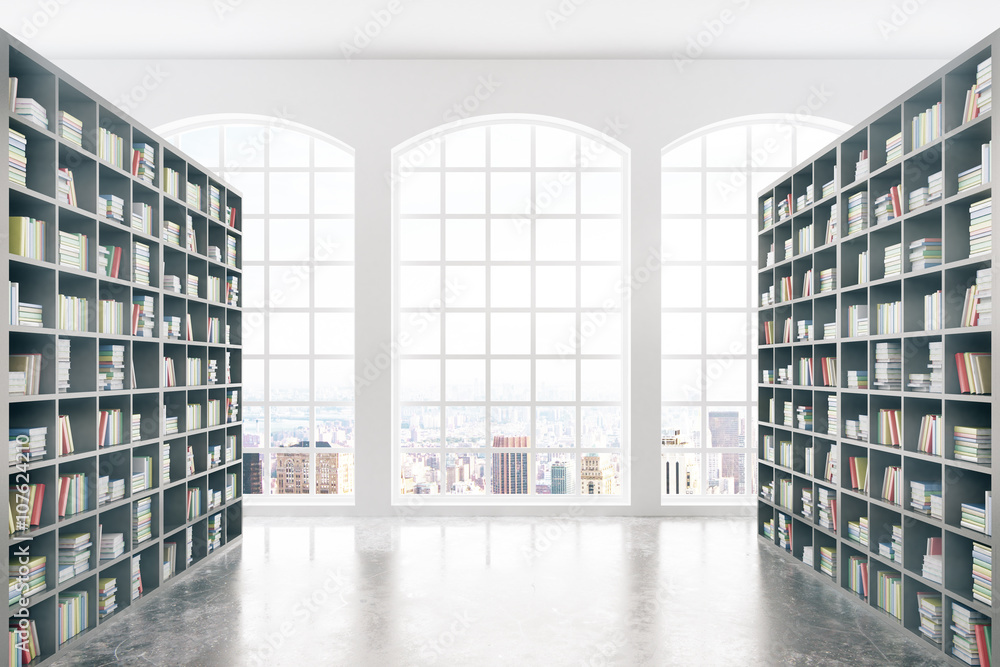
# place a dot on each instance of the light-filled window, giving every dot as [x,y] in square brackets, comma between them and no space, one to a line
[298,319]
[709,373]
[510,317]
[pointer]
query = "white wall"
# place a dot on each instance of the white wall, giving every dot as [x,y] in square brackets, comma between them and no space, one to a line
[375,105]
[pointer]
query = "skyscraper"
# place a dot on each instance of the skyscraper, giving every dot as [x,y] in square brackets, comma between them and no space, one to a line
[335,473]
[726,473]
[598,476]
[291,472]
[562,478]
[253,473]
[511,470]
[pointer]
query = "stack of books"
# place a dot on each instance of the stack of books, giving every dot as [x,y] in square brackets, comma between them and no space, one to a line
[926,127]
[172,327]
[804,416]
[27,444]
[857,429]
[935,187]
[924,254]
[233,291]
[74,250]
[111,206]
[830,186]
[931,622]
[973,444]
[136,585]
[936,366]
[858,530]
[889,205]
[982,573]
[828,561]
[831,223]
[832,420]
[192,285]
[857,379]
[979,174]
[142,316]
[18,166]
[194,195]
[932,570]
[74,555]
[142,217]
[888,366]
[922,495]
[25,374]
[172,284]
[63,360]
[172,232]
[32,111]
[142,524]
[977,517]
[981,228]
[71,128]
[768,212]
[106,589]
[214,202]
[893,259]
[22,313]
[215,532]
[111,368]
[984,86]
[66,188]
[140,263]
[110,147]
[863,166]
[984,293]
[143,161]
[827,508]
[970,637]
[857,212]
[829,330]
[166,463]
[231,250]
[112,545]
[894,147]
[804,330]
[827,280]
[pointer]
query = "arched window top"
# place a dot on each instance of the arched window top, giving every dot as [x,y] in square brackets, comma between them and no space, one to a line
[246,136]
[557,143]
[776,141]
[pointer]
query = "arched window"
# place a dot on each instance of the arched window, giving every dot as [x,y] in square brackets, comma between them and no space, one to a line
[510,242]
[709,368]
[298,320]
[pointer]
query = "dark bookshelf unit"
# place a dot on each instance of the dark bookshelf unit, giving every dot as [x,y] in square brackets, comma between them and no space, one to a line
[885,294]
[144,364]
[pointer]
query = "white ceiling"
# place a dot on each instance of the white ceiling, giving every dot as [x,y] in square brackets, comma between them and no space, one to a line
[499,28]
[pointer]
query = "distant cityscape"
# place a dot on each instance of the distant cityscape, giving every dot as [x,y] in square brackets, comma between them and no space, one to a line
[725,473]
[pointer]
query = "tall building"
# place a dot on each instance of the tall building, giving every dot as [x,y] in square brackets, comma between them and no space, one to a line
[291,472]
[511,470]
[562,478]
[335,473]
[598,476]
[253,473]
[726,473]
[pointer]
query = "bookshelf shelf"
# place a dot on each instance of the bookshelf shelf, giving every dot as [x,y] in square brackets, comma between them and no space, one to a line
[98,482]
[890,475]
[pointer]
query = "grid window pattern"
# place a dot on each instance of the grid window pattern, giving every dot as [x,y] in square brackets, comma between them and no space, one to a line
[510,322]
[298,320]
[709,360]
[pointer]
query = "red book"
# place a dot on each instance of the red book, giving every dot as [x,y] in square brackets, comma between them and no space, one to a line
[854,473]
[135,318]
[135,163]
[897,206]
[894,428]
[63,494]
[984,651]
[116,262]
[36,507]
[963,378]
[102,429]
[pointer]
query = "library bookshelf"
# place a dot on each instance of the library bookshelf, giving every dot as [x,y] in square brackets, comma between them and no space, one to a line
[873,454]
[124,355]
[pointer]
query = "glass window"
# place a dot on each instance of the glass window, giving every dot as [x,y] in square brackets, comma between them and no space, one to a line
[508,256]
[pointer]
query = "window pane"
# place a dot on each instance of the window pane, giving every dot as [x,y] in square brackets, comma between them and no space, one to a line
[335,473]
[555,240]
[510,421]
[680,380]
[680,474]
[465,473]
[510,287]
[465,380]
[600,240]
[466,148]
[601,427]
[289,379]
[288,240]
[420,192]
[729,240]
[510,240]
[290,426]
[202,145]
[556,474]
[687,154]
[334,240]
[252,186]
[681,286]
[554,147]
[555,287]
[726,193]
[291,473]
[334,379]
[510,333]
[421,474]
[288,287]
[680,426]
[510,145]
[726,147]
[465,193]
[727,287]
[555,380]
[420,333]
[420,380]
[555,333]
[727,379]
[600,475]
[770,146]
[465,426]
[465,240]
[419,240]
[289,192]
[681,333]
[253,240]
[288,148]
[555,427]
[601,192]
[681,192]
[420,427]
[334,286]
[510,192]
[600,380]
[555,192]
[253,332]
[601,287]
[681,240]
[334,333]
[244,147]
[727,427]
[253,379]
[727,333]
[334,192]
[420,287]
[727,474]
[465,333]
[601,332]
[510,380]
[334,426]
[465,286]
[289,333]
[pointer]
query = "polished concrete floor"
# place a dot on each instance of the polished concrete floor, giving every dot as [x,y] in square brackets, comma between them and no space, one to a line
[517,591]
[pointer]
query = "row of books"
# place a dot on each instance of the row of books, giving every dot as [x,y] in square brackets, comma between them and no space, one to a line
[22,313]
[979,174]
